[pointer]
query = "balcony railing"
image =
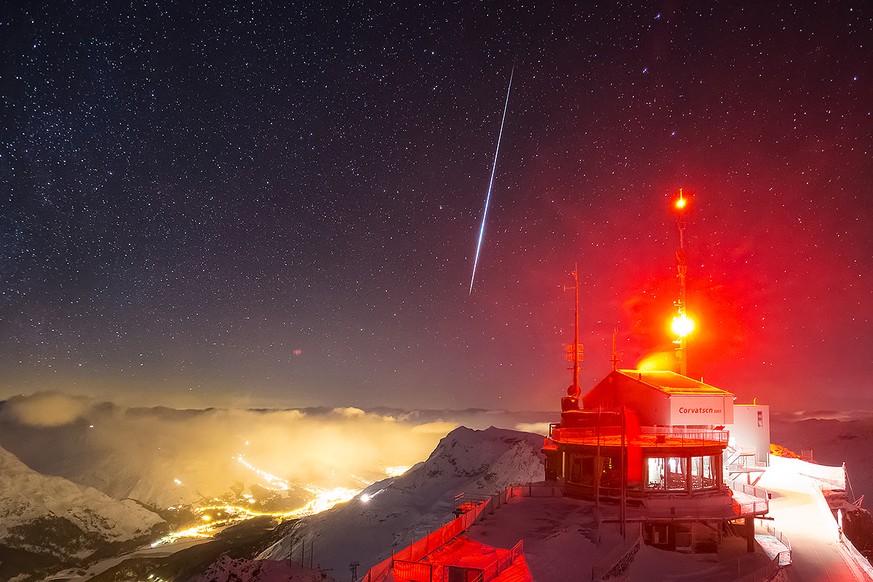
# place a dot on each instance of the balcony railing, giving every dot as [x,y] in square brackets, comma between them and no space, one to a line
[648,436]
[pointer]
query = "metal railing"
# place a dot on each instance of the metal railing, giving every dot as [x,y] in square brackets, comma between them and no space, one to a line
[686,434]
[493,570]
[783,558]
[409,559]
[761,503]
[762,574]
[856,556]
[650,436]
[615,564]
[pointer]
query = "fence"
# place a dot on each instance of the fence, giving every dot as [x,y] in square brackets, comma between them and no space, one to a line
[412,555]
[763,574]
[754,501]
[413,570]
[489,572]
[857,556]
[686,434]
[783,558]
[650,436]
[419,549]
[616,563]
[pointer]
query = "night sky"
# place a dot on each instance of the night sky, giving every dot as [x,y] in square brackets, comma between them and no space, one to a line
[277,204]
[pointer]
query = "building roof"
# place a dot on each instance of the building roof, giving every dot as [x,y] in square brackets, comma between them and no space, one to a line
[672,383]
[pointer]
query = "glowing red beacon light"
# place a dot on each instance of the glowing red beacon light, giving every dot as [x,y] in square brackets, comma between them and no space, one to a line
[681,203]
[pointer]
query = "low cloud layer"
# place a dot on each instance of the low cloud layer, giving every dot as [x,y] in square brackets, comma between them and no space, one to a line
[166,456]
[45,409]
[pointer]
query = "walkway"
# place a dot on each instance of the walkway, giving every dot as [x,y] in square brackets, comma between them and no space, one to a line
[802,515]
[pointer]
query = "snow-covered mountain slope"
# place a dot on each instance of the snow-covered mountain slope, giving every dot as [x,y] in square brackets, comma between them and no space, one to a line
[51,515]
[227,569]
[392,513]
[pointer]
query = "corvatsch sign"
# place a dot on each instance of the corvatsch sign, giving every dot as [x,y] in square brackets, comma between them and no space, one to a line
[701,409]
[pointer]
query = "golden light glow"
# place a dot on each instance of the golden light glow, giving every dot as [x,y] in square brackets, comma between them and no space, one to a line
[215,515]
[273,483]
[657,361]
[221,516]
[682,325]
[396,471]
[324,500]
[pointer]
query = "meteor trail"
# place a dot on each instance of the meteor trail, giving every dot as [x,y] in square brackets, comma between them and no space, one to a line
[491,182]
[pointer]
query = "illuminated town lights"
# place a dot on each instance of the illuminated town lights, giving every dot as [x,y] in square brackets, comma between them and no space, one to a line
[273,483]
[682,325]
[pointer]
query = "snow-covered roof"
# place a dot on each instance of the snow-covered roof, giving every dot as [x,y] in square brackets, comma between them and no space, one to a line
[672,383]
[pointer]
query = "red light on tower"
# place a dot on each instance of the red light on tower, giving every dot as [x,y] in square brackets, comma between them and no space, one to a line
[681,202]
[682,325]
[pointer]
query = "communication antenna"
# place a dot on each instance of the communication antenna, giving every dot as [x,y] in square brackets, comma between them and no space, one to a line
[615,355]
[682,325]
[574,352]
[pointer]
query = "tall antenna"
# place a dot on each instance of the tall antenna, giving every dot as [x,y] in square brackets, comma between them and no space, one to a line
[615,355]
[682,324]
[574,351]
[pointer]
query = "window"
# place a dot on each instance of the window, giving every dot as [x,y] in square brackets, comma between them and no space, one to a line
[676,471]
[703,475]
[655,473]
[575,468]
[667,474]
[760,419]
[610,475]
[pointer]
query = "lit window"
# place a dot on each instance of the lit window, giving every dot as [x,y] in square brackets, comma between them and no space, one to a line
[655,473]
[676,474]
[703,472]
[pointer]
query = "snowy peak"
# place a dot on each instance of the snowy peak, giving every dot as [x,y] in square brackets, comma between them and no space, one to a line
[43,514]
[394,512]
[477,461]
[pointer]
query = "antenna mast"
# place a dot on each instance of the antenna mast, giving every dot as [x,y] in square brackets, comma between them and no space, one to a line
[682,324]
[615,359]
[573,353]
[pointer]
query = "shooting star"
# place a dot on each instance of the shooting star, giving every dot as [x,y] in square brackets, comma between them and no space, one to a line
[491,182]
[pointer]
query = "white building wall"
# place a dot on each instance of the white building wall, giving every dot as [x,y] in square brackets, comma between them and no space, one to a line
[750,431]
[701,410]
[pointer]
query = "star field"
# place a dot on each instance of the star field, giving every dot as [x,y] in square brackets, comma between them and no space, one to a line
[277,204]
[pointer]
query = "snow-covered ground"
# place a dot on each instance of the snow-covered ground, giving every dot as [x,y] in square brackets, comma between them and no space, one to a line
[393,513]
[562,542]
[27,497]
[800,512]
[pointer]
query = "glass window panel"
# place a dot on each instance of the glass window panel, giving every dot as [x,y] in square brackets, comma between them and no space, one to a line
[655,473]
[696,472]
[709,472]
[675,474]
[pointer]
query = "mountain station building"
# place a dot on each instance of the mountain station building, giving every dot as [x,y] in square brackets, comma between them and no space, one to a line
[660,444]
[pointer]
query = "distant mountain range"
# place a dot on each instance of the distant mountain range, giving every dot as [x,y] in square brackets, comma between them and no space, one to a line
[50,521]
